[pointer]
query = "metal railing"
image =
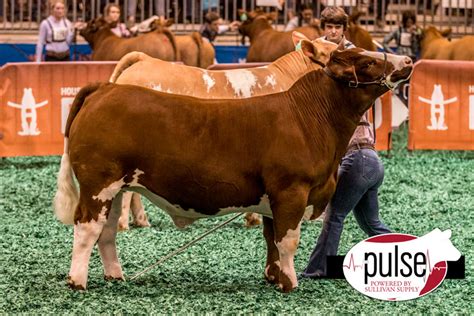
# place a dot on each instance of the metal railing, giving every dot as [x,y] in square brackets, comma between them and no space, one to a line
[24,16]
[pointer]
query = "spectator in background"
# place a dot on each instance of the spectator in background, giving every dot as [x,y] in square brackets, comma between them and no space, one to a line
[407,36]
[159,6]
[305,18]
[213,26]
[112,16]
[56,33]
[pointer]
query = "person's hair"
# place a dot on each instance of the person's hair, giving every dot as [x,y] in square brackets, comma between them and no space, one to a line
[407,15]
[334,15]
[52,3]
[110,6]
[211,17]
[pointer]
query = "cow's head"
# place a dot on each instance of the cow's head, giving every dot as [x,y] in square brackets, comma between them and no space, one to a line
[92,27]
[357,67]
[318,50]
[248,20]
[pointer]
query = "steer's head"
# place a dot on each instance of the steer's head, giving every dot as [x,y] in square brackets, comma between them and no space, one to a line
[92,27]
[357,67]
[318,50]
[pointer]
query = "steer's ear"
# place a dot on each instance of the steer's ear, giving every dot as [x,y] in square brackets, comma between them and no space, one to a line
[309,49]
[297,37]
[169,22]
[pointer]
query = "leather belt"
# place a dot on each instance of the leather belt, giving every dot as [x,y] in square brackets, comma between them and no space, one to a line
[358,146]
[59,55]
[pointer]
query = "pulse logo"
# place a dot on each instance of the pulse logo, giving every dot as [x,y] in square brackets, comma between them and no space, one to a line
[397,267]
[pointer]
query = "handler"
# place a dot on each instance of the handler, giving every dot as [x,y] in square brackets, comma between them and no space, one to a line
[360,174]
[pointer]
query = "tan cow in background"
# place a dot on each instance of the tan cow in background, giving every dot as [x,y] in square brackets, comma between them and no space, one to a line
[434,45]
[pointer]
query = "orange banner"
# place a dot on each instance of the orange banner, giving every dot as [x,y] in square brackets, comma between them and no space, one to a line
[35,101]
[383,122]
[441,105]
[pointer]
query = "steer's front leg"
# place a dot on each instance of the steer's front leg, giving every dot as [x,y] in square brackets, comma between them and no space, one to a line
[288,208]
[272,267]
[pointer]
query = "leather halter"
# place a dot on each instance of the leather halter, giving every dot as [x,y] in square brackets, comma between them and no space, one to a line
[382,81]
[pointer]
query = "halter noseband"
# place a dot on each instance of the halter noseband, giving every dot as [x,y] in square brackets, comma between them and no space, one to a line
[382,81]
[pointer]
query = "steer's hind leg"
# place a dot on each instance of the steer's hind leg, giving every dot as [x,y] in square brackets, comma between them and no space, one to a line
[125,211]
[89,220]
[288,208]
[107,244]
[139,216]
[272,267]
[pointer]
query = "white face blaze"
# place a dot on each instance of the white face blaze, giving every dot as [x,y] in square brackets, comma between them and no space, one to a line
[242,81]
[208,81]
[398,61]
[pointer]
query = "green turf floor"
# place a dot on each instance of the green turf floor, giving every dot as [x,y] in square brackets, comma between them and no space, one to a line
[224,273]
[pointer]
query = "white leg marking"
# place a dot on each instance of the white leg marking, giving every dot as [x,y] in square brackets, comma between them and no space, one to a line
[85,237]
[287,249]
[109,192]
[107,245]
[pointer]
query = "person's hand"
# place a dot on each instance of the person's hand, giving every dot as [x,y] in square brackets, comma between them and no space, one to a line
[80,25]
[234,25]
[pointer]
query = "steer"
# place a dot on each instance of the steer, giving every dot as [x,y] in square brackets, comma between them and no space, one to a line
[197,158]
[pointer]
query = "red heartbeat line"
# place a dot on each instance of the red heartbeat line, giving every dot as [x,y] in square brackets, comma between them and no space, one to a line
[351,263]
[430,268]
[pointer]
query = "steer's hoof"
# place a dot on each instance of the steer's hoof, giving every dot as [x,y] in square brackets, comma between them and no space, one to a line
[74,286]
[252,219]
[141,221]
[272,274]
[286,284]
[112,278]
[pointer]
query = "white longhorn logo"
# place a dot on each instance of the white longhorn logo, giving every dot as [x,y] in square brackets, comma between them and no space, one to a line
[437,103]
[28,108]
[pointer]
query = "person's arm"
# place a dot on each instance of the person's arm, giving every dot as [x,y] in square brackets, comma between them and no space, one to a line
[160,8]
[70,32]
[43,33]
[387,39]
[223,28]
[292,24]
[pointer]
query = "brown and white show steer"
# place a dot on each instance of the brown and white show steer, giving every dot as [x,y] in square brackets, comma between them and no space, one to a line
[140,69]
[196,158]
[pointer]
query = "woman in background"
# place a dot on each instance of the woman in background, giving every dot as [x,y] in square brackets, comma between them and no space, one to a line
[55,34]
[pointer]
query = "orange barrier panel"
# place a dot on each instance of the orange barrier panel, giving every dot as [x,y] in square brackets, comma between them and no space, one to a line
[383,122]
[442,105]
[35,101]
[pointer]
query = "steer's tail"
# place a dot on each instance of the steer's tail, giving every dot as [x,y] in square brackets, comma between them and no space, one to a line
[67,195]
[197,38]
[125,62]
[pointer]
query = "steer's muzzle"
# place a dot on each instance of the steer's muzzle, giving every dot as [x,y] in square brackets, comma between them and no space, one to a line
[402,72]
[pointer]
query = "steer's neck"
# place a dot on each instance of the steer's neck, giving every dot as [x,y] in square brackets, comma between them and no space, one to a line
[103,34]
[327,109]
[258,26]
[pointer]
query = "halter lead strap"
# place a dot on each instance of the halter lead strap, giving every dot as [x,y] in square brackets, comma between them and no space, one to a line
[355,83]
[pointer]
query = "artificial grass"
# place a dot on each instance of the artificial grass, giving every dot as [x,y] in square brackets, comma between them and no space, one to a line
[224,272]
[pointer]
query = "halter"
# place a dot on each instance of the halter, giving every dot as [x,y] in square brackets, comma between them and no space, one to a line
[382,81]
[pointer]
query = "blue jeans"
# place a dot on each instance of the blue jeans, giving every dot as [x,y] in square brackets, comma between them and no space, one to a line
[359,177]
